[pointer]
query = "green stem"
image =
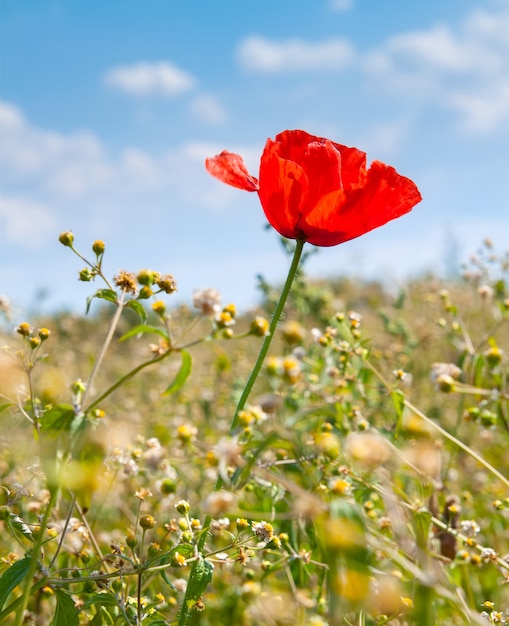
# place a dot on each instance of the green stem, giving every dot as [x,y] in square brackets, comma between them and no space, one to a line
[36,551]
[104,349]
[292,272]
[269,336]
[126,378]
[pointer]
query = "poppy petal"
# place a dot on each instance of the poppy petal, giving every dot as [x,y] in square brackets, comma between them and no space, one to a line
[283,191]
[353,166]
[230,168]
[386,196]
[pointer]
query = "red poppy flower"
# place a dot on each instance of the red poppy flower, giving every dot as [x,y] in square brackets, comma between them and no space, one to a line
[319,191]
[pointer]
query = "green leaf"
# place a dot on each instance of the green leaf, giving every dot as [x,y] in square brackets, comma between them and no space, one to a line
[200,577]
[398,399]
[182,375]
[102,599]
[58,418]
[102,294]
[66,613]
[17,527]
[140,329]
[138,308]
[11,578]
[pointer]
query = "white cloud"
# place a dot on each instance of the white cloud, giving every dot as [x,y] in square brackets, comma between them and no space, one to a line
[25,222]
[150,79]
[258,54]
[76,170]
[208,109]
[464,69]
[341,5]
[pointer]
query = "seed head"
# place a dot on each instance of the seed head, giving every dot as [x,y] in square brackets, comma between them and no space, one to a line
[126,281]
[207,301]
[166,283]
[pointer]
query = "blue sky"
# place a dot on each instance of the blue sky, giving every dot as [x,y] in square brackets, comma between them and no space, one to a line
[108,109]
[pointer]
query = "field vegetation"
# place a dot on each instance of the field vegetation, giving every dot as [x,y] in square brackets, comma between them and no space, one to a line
[364,480]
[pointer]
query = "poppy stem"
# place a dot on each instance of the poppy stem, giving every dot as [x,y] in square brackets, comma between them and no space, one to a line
[292,272]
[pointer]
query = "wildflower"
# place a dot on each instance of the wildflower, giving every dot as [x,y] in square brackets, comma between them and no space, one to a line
[159,307]
[439,370]
[143,493]
[263,530]
[179,559]
[218,525]
[355,319]
[293,332]
[166,283]
[486,292]
[291,369]
[369,448]
[207,301]
[244,556]
[469,527]
[493,356]
[24,329]
[186,432]
[315,190]
[242,523]
[225,319]
[488,554]
[218,502]
[259,327]
[126,281]
[182,507]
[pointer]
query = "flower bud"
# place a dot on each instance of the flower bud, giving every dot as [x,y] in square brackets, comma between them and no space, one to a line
[66,238]
[168,486]
[493,356]
[85,275]
[24,329]
[182,507]
[34,342]
[98,247]
[259,327]
[145,293]
[44,333]
[159,307]
[146,277]
[78,386]
[147,522]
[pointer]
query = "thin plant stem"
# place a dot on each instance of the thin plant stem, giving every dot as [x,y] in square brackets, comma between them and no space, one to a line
[36,550]
[104,349]
[292,272]
[457,442]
